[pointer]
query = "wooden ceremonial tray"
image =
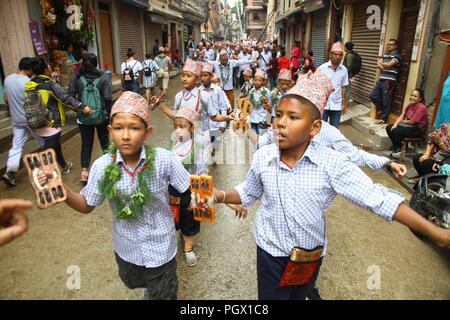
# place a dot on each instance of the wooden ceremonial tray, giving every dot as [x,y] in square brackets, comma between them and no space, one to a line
[53,190]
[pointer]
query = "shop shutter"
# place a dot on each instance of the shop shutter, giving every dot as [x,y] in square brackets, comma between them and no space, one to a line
[319,36]
[367,44]
[130,31]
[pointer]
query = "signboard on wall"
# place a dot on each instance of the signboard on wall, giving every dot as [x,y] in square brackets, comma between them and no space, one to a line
[36,37]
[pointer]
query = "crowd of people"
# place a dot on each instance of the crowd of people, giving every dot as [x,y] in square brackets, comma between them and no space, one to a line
[300,165]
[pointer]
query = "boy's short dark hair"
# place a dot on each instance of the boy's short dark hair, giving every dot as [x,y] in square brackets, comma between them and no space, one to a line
[315,113]
[25,63]
[349,45]
[38,66]
[143,122]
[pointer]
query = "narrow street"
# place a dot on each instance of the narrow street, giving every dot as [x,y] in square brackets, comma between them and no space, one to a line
[40,265]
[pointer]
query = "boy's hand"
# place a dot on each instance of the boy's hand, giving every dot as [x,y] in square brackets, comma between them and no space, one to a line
[87,110]
[239,210]
[442,238]
[399,170]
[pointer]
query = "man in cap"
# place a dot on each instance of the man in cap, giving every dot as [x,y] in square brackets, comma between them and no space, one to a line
[224,70]
[337,73]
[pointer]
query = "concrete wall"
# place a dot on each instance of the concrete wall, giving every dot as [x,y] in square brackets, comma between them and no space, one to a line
[15,34]
[437,58]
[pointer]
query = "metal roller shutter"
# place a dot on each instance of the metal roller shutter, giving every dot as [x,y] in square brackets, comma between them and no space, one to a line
[319,35]
[130,31]
[367,44]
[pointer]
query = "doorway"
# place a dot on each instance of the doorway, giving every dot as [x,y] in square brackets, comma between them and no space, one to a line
[106,35]
[173,36]
[408,24]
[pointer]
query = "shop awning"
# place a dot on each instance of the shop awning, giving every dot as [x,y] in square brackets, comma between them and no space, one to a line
[156,18]
[313,5]
[306,6]
[167,12]
[141,4]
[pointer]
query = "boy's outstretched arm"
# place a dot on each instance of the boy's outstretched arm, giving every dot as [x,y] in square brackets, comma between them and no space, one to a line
[230,196]
[407,216]
[77,202]
[168,112]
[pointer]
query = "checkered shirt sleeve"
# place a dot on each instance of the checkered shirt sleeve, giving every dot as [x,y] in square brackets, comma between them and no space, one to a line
[331,137]
[294,201]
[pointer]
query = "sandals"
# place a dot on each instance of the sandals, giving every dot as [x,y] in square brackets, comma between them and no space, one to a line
[84,176]
[381,121]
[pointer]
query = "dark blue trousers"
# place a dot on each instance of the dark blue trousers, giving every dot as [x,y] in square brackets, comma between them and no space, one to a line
[270,271]
[382,95]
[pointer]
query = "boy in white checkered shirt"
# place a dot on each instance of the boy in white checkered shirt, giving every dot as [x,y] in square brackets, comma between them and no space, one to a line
[134,179]
[298,180]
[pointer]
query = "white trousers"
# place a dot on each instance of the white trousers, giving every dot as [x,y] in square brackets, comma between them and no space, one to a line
[20,137]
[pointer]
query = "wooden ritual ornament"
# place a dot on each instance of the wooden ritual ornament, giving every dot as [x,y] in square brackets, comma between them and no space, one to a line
[241,122]
[52,191]
[202,188]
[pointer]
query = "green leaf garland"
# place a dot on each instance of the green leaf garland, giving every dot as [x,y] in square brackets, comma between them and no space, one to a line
[128,206]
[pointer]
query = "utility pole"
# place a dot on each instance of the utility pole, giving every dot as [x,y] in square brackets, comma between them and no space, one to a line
[238,10]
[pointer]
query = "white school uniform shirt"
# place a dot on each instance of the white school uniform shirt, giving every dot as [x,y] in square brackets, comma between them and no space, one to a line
[225,73]
[207,109]
[149,240]
[209,55]
[136,65]
[294,200]
[339,79]
[264,63]
[247,56]
[259,114]
[221,104]
[331,137]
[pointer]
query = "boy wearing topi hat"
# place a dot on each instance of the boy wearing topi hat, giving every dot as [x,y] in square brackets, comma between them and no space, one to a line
[224,70]
[200,101]
[298,180]
[284,84]
[260,97]
[337,73]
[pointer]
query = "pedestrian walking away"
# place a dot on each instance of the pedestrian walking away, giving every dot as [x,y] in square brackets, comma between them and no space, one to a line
[131,70]
[14,96]
[93,88]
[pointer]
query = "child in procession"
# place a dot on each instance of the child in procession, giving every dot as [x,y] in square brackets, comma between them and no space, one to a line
[284,84]
[200,101]
[188,152]
[298,180]
[222,104]
[260,98]
[248,83]
[133,177]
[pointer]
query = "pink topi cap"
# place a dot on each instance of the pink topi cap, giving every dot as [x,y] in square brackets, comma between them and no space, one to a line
[337,47]
[285,75]
[260,73]
[131,102]
[193,67]
[208,67]
[316,87]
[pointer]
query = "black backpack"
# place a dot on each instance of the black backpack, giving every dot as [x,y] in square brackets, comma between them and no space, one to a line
[356,68]
[147,70]
[128,74]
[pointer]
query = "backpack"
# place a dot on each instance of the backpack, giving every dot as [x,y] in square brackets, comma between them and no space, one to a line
[91,97]
[36,112]
[147,70]
[356,68]
[128,73]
